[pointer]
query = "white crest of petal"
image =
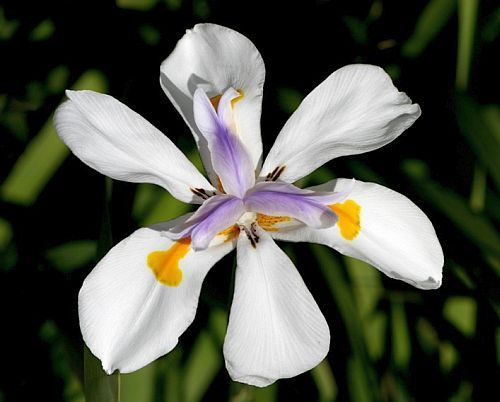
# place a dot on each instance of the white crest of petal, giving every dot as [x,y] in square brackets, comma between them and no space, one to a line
[276,329]
[216,58]
[355,110]
[395,235]
[116,141]
[127,317]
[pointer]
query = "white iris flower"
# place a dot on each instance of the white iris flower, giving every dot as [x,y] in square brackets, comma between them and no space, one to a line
[144,293]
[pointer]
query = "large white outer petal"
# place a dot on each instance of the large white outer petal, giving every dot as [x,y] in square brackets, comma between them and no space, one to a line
[396,236]
[216,58]
[127,317]
[116,141]
[276,329]
[356,109]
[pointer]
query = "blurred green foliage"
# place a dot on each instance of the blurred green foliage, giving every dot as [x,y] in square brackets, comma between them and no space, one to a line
[390,342]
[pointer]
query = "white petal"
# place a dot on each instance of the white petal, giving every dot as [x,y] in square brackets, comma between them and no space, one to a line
[216,58]
[127,317]
[356,109]
[116,141]
[395,236]
[276,329]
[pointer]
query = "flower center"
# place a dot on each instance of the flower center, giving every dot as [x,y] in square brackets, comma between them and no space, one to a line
[247,219]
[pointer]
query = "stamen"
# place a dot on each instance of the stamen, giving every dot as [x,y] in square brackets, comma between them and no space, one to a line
[202,193]
[252,234]
[276,173]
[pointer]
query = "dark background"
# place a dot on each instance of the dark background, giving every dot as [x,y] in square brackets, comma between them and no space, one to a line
[390,342]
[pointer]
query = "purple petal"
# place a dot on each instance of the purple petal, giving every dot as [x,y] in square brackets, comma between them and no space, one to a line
[216,214]
[230,160]
[283,199]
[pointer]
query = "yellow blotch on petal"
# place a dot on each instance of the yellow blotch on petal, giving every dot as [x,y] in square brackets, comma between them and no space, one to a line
[165,264]
[231,233]
[349,219]
[215,99]
[268,222]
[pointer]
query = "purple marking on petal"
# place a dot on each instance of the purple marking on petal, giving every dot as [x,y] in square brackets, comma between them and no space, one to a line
[215,214]
[280,199]
[229,158]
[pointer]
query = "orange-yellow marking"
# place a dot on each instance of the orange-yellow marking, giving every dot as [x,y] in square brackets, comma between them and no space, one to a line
[220,187]
[349,219]
[216,99]
[165,264]
[231,233]
[268,222]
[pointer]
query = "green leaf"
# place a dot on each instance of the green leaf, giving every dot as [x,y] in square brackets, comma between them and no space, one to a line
[359,387]
[43,31]
[201,9]
[205,358]
[427,336]
[360,364]
[431,22]
[325,382]
[467,16]
[491,118]
[5,233]
[492,206]
[140,5]
[289,99]
[152,204]
[173,5]
[367,285]
[478,189]
[490,27]
[401,351]
[464,392]
[357,28]
[64,362]
[139,385]
[72,255]
[474,226]
[461,311]
[105,241]
[368,290]
[201,367]
[172,378]
[448,356]
[99,386]
[57,79]
[477,125]
[150,35]
[43,155]
[7,27]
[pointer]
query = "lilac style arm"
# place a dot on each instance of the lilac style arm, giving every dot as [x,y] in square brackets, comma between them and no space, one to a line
[229,157]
